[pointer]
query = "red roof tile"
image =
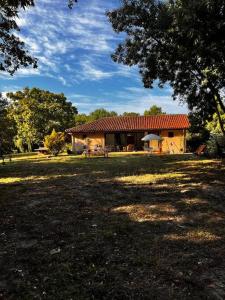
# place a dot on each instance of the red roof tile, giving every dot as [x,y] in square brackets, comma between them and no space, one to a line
[113,124]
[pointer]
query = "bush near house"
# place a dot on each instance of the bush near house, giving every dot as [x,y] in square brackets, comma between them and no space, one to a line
[194,141]
[216,145]
[55,142]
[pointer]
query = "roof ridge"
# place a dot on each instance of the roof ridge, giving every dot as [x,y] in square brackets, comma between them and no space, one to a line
[140,116]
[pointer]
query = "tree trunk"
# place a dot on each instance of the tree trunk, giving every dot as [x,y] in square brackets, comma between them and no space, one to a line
[217,97]
[222,106]
[219,116]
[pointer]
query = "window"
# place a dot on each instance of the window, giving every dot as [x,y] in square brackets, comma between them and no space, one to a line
[110,139]
[170,134]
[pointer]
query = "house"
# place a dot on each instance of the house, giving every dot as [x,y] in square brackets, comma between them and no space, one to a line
[122,132]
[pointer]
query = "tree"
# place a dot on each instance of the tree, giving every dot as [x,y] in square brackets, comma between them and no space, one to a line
[214,126]
[81,119]
[168,41]
[131,114]
[153,111]
[7,128]
[12,49]
[13,53]
[101,113]
[55,142]
[36,112]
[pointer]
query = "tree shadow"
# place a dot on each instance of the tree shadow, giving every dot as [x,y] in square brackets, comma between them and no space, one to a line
[87,235]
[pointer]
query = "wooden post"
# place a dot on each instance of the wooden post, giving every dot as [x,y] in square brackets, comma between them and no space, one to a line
[103,141]
[73,148]
[185,142]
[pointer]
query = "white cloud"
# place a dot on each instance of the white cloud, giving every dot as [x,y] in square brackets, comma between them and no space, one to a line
[68,68]
[91,72]
[54,33]
[63,80]
[135,99]
[73,48]
[21,22]
[24,72]
[126,71]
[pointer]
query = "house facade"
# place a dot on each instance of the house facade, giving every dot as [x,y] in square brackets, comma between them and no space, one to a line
[124,133]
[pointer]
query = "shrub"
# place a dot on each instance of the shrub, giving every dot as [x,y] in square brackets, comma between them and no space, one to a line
[216,146]
[55,142]
[194,141]
[68,146]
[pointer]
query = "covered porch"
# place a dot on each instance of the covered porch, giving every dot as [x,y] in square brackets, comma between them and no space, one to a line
[131,141]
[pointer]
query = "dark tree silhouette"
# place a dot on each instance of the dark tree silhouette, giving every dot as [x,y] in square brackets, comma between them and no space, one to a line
[180,42]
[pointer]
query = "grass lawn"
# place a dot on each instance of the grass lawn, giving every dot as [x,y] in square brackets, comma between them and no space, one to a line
[126,227]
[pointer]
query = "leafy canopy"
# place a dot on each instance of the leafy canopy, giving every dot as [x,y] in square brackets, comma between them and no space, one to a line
[213,126]
[37,112]
[154,111]
[181,42]
[131,114]
[7,127]
[101,113]
[81,119]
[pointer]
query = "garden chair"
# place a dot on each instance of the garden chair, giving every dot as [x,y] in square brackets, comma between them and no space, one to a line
[200,150]
[130,148]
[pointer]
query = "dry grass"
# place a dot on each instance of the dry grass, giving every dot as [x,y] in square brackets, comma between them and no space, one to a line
[128,227]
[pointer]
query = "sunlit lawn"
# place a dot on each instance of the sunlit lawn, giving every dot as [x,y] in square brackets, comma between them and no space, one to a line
[128,227]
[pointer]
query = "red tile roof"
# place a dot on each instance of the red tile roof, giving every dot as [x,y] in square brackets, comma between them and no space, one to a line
[142,123]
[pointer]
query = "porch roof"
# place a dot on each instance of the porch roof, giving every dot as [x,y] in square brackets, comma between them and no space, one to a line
[141,123]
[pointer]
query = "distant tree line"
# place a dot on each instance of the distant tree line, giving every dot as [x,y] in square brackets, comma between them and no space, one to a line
[103,113]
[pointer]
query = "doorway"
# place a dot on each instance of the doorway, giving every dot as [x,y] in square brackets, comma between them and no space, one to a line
[130,140]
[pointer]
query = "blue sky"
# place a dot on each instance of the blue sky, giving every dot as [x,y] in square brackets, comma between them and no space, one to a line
[73,48]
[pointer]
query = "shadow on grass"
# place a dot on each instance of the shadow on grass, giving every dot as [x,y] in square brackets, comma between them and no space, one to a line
[74,230]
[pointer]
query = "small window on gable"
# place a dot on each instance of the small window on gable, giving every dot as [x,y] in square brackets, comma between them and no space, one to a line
[170,134]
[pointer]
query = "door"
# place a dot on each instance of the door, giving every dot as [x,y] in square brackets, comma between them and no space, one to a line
[130,140]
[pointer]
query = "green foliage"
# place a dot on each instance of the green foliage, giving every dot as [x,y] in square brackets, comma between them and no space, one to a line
[101,113]
[154,111]
[202,132]
[55,142]
[36,112]
[216,145]
[131,114]
[197,123]
[168,42]
[195,140]
[7,128]
[12,49]
[20,145]
[81,119]
[214,125]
